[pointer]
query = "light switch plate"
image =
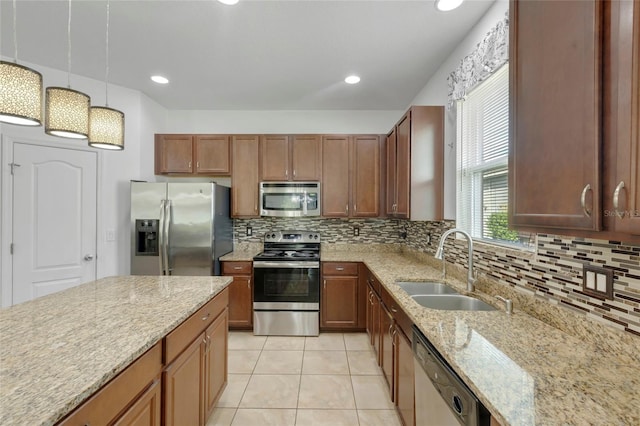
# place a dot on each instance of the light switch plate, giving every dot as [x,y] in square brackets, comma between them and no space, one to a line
[597,282]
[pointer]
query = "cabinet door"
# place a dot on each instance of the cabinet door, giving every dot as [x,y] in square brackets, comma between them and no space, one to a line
[403,167]
[184,387]
[555,109]
[240,302]
[403,376]
[215,371]
[305,157]
[213,155]
[373,321]
[387,343]
[244,176]
[339,302]
[335,176]
[622,108]
[146,410]
[173,154]
[391,182]
[365,195]
[274,155]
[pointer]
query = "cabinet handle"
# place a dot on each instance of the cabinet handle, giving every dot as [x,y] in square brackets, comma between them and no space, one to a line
[294,172]
[393,309]
[325,284]
[583,200]
[347,209]
[249,283]
[206,317]
[339,268]
[391,331]
[355,208]
[616,199]
[189,164]
[197,164]
[286,173]
[237,268]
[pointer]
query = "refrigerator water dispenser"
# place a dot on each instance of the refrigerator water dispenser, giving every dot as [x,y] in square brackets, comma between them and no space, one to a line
[146,237]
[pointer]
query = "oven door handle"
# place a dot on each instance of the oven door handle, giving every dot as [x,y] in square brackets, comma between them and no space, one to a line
[285,264]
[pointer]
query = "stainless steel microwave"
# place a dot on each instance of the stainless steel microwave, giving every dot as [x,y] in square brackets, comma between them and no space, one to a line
[290,199]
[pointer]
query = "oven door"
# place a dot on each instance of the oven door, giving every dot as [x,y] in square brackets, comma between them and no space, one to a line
[286,285]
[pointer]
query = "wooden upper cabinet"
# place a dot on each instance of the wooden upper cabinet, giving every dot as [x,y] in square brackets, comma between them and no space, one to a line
[212,154]
[290,158]
[244,176]
[365,169]
[192,154]
[555,109]
[621,194]
[173,154]
[415,165]
[274,158]
[351,176]
[335,176]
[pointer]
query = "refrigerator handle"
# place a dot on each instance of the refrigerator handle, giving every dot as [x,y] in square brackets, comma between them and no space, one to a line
[167,222]
[161,238]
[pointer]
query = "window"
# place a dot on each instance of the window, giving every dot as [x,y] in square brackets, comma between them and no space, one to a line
[483,147]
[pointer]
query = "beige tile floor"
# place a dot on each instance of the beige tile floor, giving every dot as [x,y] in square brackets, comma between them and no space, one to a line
[332,379]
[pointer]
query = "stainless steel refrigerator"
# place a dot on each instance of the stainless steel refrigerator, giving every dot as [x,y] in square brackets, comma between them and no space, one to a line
[179,228]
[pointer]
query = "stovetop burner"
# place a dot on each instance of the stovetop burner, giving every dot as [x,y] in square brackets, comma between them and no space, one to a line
[288,245]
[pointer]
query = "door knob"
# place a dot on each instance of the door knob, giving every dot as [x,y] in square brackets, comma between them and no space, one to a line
[88,257]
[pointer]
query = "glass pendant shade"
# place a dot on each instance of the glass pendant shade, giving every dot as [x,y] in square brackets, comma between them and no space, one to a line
[20,95]
[66,113]
[106,128]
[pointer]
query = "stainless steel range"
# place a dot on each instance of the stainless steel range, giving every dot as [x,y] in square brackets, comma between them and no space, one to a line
[286,292]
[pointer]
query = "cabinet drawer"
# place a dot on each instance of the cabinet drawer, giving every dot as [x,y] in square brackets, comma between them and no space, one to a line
[119,393]
[237,268]
[179,339]
[340,268]
[399,315]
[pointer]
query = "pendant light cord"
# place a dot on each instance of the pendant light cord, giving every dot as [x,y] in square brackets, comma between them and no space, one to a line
[106,72]
[68,48]
[15,34]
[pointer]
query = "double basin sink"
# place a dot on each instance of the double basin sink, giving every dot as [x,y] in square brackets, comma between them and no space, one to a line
[435,295]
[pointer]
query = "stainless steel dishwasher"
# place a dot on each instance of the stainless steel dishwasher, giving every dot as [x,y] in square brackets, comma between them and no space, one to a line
[442,399]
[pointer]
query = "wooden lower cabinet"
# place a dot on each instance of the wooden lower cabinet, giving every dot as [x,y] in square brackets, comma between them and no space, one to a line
[373,319]
[146,410]
[183,386]
[215,362]
[404,395]
[342,299]
[240,294]
[387,343]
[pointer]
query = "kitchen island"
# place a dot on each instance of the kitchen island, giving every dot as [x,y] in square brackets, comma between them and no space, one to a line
[58,350]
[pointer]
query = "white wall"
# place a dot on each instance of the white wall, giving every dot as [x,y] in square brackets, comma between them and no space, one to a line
[435,92]
[143,117]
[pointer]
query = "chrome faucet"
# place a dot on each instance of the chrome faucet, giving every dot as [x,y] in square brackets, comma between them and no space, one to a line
[440,255]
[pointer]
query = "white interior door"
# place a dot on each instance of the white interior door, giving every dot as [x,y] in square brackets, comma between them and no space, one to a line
[54,219]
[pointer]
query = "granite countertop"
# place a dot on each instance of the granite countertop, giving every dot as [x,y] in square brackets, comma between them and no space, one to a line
[57,350]
[524,371]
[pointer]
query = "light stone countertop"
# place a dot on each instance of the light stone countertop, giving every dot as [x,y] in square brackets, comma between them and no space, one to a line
[57,350]
[524,371]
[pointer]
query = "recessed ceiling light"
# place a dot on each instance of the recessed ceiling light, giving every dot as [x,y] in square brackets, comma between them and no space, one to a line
[229,2]
[352,79]
[447,5]
[159,79]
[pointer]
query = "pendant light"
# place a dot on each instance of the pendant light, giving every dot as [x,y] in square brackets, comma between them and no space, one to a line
[20,89]
[67,110]
[106,125]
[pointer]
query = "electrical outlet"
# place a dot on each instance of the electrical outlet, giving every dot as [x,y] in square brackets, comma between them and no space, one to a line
[356,231]
[110,235]
[597,282]
[249,231]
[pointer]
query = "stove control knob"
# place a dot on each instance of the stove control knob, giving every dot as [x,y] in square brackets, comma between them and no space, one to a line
[310,236]
[316,237]
[273,235]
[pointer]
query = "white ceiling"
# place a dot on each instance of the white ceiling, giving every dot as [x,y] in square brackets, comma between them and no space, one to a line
[256,55]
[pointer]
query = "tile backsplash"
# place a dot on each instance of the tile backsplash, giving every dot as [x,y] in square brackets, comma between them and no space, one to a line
[553,273]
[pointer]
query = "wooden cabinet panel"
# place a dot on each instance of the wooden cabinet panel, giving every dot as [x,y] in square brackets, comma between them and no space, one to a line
[555,110]
[215,362]
[403,376]
[212,154]
[387,343]
[274,156]
[240,294]
[391,176]
[183,386]
[173,154]
[621,195]
[335,176]
[403,168]
[339,302]
[306,157]
[373,319]
[244,176]
[146,410]
[365,166]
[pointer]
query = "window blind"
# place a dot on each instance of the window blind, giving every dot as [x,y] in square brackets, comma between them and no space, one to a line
[483,146]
